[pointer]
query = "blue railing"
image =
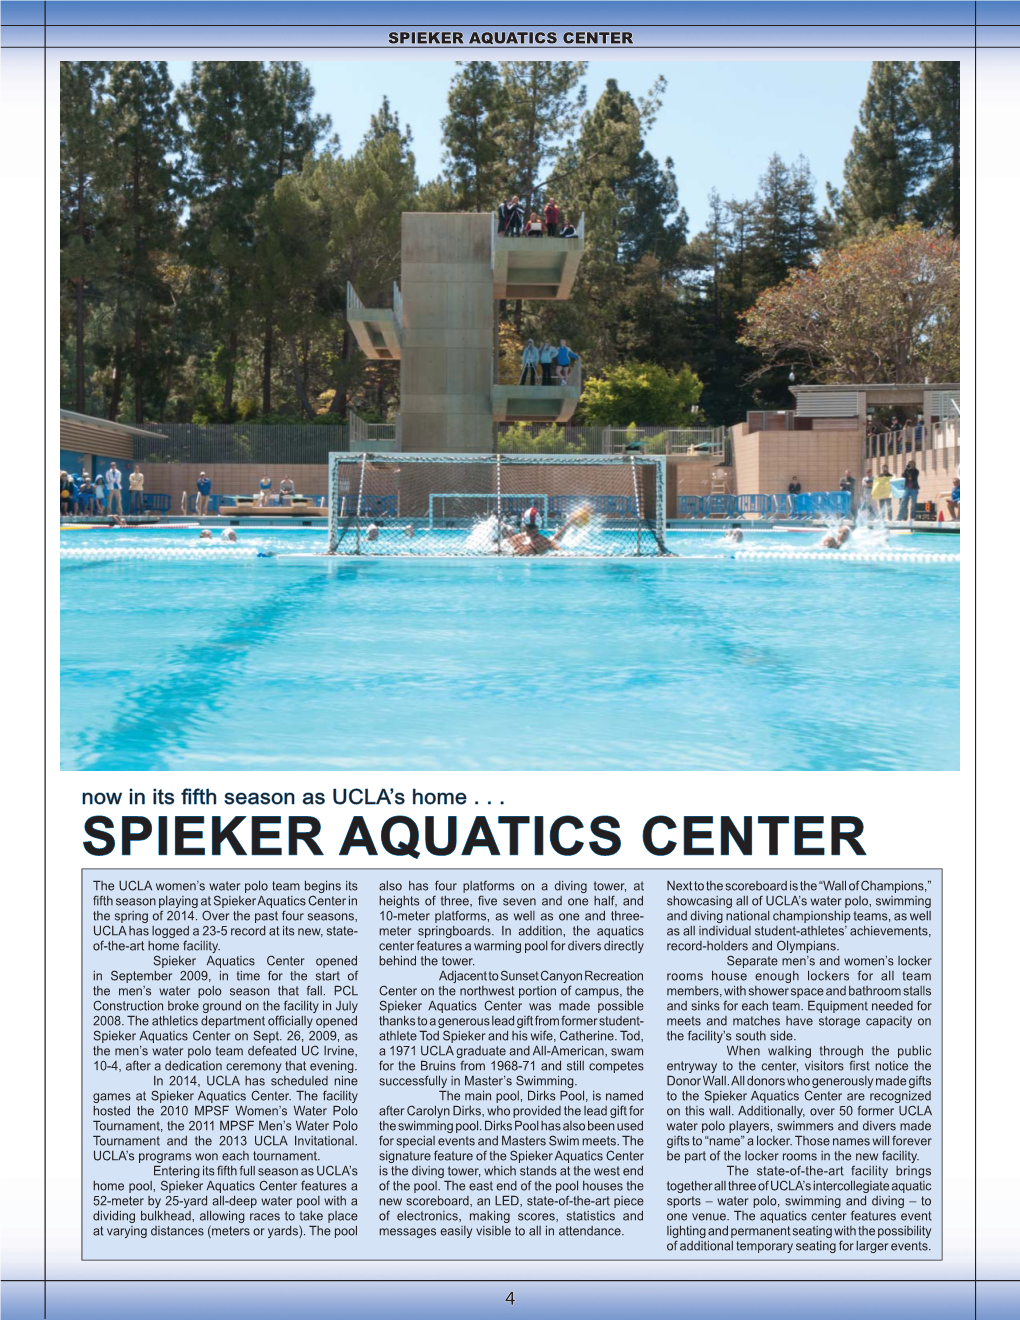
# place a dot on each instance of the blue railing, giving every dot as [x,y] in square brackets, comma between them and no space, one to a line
[808,505]
[609,506]
[379,505]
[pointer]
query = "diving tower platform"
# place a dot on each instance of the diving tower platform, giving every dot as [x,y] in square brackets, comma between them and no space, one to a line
[536,267]
[545,404]
[377,329]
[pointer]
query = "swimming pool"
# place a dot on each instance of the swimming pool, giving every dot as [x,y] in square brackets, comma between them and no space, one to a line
[715,664]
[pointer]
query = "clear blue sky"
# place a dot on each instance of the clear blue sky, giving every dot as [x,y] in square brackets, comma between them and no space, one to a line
[720,120]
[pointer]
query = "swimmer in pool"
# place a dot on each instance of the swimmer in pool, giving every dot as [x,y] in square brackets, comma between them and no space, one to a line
[228,534]
[735,535]
[373,532]
[409,529]
[205,534]
[530,541]
[835,540]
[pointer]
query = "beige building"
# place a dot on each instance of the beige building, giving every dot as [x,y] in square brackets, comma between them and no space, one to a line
[442,328]
[836,427]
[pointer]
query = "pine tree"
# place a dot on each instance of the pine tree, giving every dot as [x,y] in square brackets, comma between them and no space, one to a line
[785,228]
[543,100]
[84,152]
[886,160]
[385,123]
[360,201]
[610,152]
[935,98]
[471,135]
[293,254]
[231,162]
[142,213]
[296,130]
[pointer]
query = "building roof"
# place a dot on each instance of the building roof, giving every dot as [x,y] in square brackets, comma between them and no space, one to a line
[83,419]
[876,388]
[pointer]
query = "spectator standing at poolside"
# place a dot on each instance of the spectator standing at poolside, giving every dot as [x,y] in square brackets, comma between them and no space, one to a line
[867,481]
[84,495]
[911,490]
[545,357]
[502,218]
[265,488]
[848,484]
[65,493]
[565,357]
[203,486]
[514,218]
[98,494]
[793,489]
[114,478]
[881,491]
[286,490]
[136,484]
[952,499]
[529,361]
[552,218]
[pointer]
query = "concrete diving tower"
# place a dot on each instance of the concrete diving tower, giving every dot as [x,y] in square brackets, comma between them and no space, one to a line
[377,329]
[454,270]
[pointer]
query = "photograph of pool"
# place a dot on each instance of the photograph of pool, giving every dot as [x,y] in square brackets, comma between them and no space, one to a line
[505,444]
[264,657]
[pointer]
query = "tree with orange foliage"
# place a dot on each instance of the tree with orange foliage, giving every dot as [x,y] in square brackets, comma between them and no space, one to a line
[886,309]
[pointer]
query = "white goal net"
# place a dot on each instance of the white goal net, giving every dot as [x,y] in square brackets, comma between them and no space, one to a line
[470,505]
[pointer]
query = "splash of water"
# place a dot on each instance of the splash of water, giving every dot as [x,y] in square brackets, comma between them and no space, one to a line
[868,531]
[575,538]
[483,538]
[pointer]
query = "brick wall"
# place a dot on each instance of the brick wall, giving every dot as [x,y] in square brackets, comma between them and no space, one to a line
[230,478]
[765,462]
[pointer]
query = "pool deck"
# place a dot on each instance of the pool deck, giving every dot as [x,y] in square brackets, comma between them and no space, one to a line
[672,524]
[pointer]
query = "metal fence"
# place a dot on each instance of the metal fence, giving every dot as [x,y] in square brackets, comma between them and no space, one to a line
[914,438]
[379,437]
[277,444]
[260,443]
[534,438]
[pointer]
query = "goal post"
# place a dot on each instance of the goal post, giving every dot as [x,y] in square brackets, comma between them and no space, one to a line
[590,505]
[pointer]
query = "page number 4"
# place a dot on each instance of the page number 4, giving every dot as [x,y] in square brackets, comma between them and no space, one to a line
[509,1298]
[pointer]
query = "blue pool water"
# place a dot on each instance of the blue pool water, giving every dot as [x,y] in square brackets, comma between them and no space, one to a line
[713,663]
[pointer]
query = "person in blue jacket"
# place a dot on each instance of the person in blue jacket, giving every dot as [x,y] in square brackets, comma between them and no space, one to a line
[203,486]
[564,357]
